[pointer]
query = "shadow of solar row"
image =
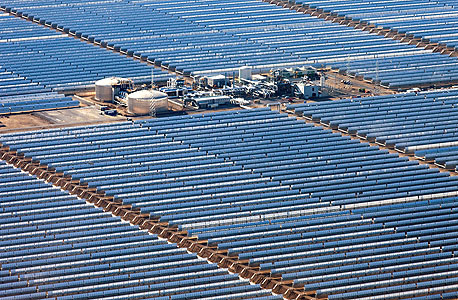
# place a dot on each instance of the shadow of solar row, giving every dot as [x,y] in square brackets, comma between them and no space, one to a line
[424,124]
[336,216]
[433,21]
[55,246]
[202,37]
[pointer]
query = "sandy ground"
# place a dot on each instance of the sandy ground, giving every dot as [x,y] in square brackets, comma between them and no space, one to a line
[84,115]
[348,90]
[21,121]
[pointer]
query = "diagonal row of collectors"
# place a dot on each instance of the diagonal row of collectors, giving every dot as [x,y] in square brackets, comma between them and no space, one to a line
[328,214]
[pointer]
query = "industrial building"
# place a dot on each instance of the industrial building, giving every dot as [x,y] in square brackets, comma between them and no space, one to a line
[244,149]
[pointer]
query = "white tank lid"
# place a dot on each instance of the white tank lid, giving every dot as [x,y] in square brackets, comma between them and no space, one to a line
[109,81]
[147,95]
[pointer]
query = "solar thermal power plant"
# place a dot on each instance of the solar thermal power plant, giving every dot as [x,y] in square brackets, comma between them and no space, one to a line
[352,194]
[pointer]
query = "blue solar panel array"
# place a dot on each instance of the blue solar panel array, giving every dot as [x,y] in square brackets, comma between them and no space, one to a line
[334,215]
[422,123]
[432,20]
[60,62]
[214,36]
[55,246]
[18,93]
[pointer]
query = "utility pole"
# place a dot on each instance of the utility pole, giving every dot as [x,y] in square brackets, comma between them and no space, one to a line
[152,78]
[377,83]
[152,105]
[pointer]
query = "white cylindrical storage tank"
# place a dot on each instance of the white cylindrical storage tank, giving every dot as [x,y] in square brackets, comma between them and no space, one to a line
[245,73]
[322,81]
[105,88]
[145,101]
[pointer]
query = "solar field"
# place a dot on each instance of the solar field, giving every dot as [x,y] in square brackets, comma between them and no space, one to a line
[332,199]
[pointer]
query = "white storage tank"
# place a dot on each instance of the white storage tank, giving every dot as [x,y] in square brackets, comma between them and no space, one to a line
[106,89]
[147,102]
[322,81]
